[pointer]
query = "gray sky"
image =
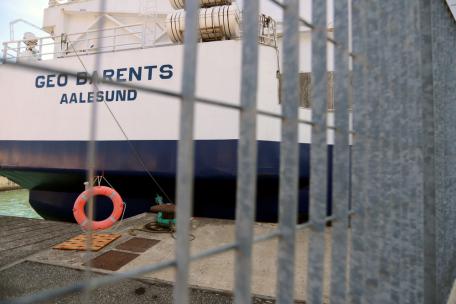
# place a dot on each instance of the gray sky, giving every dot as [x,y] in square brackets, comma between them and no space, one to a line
[30,10]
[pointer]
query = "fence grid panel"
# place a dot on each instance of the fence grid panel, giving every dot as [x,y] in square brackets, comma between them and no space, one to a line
[381,152]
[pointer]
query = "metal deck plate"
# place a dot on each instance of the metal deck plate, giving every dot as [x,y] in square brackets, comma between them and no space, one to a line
[79,242]
[112,260]
[138,244]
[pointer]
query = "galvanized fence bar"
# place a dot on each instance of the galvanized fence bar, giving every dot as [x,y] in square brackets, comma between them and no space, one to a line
[341,157]
[390,263]
[247,154]
[374,207]
[185,158]
[404,276]
[383,123]
[429,224]
[91,160]
[318,156]
[289,159]
[387,140]
[359,156]
[414,115]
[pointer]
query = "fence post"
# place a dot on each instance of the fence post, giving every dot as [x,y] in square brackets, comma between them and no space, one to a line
[185,157]
[289,158]
[341,156]
[371,137]
[247,154]
[359,156]
[439,160]
[318,155]
[428,139]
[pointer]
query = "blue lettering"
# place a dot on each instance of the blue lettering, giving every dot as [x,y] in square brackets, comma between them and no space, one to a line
[120,95]
[108,74]
[137,74]
[40,82]
[90,97]
[166,71]
[73,98]
[100,96]
[64,99]
[132,94]
[81,78]
[120,74]
[109,98]
[50,82]
[150,69]
[62,80]
[81,98]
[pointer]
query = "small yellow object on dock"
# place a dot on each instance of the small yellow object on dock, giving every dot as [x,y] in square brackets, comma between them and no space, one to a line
[80,242]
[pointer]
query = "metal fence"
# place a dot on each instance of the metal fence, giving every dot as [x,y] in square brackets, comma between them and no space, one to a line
[383,234]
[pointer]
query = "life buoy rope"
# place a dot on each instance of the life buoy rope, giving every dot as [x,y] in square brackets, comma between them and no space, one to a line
[83,198]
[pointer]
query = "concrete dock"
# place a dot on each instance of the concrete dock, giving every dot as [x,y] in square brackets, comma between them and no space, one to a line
[29,264]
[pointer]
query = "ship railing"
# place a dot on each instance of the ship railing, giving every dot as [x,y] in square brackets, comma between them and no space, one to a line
[267,31]
[88,42]
[63,2]
[106,40]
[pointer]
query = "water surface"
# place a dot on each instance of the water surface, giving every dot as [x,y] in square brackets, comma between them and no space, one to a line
[15,203]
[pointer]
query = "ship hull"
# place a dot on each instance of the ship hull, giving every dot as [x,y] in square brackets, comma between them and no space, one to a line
[54,171]
[46,126]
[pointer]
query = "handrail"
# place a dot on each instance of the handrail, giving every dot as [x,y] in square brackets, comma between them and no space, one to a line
[17,48]
[79,33]
[64,46]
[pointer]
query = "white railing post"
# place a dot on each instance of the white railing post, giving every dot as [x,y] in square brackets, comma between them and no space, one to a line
[5,52]
[18,49]
[40,48]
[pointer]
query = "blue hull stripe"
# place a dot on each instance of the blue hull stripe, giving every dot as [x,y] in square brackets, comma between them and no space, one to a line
[55,171]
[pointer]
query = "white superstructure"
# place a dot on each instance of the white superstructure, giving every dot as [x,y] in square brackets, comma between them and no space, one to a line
[130,55]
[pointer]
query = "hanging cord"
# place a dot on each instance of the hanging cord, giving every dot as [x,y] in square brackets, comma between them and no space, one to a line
[116,226]
[119,223]
[135,151]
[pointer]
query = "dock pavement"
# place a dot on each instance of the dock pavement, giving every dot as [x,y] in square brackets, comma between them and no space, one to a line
[28,264]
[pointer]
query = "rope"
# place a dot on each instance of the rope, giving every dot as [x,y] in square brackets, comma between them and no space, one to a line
[117,226]
[153,227]
[135,151]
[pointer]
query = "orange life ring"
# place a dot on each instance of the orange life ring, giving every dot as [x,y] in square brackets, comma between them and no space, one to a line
[81,201]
